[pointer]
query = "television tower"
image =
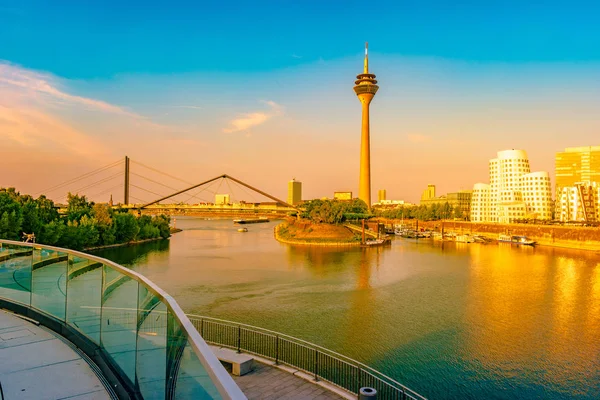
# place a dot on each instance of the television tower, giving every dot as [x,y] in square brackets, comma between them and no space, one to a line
[365,88]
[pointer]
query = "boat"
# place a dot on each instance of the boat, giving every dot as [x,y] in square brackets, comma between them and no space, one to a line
[464,239]
[481,239]
[374,242]
[243,230]
[515,239]
[250,221]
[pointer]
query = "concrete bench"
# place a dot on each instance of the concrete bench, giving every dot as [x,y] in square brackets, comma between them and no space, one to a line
[241,363]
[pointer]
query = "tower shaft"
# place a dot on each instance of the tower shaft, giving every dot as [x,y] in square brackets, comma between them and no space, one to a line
[365,89]
[364,182]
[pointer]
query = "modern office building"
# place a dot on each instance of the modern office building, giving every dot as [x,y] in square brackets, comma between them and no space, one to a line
[222,199]
[428,193]
[294,192]
[578,202]
[342,195]
[578,184]
[514,192]
[577,164]
[381,195]
[461,199]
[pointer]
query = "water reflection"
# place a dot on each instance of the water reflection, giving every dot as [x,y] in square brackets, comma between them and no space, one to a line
[450,320]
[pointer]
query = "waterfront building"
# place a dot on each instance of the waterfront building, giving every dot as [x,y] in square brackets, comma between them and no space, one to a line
[365,88]
[578,184]
[294,192]
[342,195]
[577,164]
[460,199]
[381,195]
[514,192]
[222,199]
[428,193]
[578,202]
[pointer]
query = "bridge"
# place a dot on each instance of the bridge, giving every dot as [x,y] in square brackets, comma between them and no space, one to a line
[223,194]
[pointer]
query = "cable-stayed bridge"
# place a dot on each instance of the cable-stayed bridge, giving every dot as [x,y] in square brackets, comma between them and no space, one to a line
[131,184]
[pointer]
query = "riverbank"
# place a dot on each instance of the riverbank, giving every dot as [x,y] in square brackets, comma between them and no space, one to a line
[296,232]
[568,237]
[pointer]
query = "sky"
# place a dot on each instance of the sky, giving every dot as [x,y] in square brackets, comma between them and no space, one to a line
[262,91]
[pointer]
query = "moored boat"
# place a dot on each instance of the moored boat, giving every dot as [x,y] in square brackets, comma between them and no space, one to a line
[250,221]
[515,239]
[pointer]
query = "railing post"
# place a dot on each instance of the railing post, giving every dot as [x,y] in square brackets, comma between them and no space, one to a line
[316,365]
[359,380]
[202,327]
[239,339]
[277,350]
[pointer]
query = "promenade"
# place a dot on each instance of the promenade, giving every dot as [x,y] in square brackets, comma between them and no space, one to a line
[35,363]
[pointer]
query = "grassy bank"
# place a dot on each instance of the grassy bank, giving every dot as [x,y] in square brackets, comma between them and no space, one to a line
[303,232]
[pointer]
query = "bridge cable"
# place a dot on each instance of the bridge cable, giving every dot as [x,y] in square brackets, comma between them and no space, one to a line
[100,181]
[249,193]
[153,181]
[160,172]
[120,185]
[138,199]
[200,191]
[146,190]
[86,175]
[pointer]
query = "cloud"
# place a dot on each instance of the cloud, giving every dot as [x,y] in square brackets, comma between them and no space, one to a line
[190,107]
[296,56]
[249,120]
[418,138]
[33,128]
[32,82]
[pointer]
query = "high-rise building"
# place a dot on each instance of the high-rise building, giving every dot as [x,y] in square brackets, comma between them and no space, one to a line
[381,195]
[578,184]
[294,192]
[460,199]
[514,192]
[428,193]
[577,164]
[365,88]
[222,199]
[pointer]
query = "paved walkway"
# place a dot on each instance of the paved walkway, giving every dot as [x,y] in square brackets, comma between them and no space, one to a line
[267,382]
[36,364]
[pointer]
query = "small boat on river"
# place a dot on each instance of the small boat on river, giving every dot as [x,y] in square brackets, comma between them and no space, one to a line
[250,221]
[243,230]
[515,239]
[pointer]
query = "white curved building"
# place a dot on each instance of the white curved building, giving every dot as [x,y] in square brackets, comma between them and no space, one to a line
[514,192]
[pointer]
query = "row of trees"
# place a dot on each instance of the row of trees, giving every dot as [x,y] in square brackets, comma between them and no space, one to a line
[430,212]
[84,224]
[335,211]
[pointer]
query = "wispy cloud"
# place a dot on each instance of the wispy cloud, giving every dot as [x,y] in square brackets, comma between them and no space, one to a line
[296,56]
[190,107]
[34,128]
[37,83]
[249,120]
[418,138]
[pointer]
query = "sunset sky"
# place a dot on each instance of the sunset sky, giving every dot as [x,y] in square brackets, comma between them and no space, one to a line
[262,90]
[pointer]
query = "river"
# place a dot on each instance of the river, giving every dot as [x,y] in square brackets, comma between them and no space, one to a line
[448,320]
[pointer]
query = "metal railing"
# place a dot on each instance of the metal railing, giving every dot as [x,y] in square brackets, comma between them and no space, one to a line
[138,334]
[323,364]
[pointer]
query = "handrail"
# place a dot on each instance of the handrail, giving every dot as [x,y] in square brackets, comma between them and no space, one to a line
[218,375]
[406,392]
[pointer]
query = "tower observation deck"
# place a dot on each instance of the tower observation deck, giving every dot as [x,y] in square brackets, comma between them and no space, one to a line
[365,88]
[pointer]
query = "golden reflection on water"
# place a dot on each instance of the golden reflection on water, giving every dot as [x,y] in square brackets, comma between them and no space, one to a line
[533,310]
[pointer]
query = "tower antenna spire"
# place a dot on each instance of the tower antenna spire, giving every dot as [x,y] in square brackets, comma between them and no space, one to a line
[366,57]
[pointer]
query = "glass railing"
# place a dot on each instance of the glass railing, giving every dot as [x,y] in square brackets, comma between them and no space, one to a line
[136,328]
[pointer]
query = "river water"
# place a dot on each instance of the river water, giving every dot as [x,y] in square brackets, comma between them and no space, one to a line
[448,320]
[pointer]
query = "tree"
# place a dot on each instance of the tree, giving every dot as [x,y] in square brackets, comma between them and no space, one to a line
[11,215]
[77,207]
[126,227]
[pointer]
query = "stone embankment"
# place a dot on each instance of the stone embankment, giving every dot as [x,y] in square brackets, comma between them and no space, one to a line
[571,237]
[297,232]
